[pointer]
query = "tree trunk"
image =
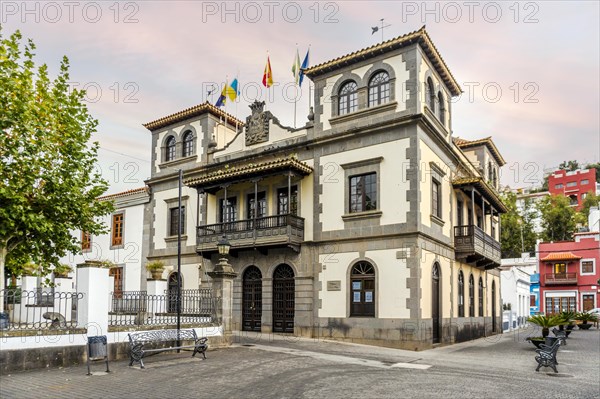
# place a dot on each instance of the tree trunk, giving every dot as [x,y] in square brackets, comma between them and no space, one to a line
[3,252]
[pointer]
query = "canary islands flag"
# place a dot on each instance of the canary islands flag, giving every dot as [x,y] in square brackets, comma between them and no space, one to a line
[232,90]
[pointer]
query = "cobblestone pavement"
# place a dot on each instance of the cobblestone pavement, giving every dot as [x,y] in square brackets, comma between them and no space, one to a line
[274,366]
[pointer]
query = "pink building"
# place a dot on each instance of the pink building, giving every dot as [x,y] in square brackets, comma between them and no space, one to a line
[569,273]
[575,184]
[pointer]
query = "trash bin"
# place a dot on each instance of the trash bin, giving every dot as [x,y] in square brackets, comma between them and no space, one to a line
[3,321]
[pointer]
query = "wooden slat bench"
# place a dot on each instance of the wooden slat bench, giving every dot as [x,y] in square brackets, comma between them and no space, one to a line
[138,340]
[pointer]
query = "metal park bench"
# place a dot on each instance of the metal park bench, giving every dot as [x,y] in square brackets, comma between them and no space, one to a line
[139,340]
[547,356]
[561,335]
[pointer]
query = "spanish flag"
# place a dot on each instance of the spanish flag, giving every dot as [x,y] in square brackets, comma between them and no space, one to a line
[267,79]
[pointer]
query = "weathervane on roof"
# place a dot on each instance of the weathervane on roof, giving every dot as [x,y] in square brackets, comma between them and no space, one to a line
[375,29]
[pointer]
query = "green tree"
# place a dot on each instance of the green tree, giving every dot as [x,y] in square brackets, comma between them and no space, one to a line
[590,200]
[597,167]
[48,186]
[569,165]
[517,233]
[557,218]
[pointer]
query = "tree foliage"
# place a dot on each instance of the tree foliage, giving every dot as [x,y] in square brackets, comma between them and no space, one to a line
[569,166]
[558,218]
[517,232]
[48,186]
[597,167]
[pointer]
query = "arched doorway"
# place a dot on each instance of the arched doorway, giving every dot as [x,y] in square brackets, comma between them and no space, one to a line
[251,299]
[283,299]
[493,306]
[435,303]
[172,293]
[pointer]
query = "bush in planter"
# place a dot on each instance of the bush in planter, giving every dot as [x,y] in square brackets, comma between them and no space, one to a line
[585,318]
[155,268]
[62,270]
[546,322]
[568,319]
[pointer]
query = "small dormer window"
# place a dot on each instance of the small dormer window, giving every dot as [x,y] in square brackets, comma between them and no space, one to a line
[430,95]
[379,89]
[188,144]
[442,108]
[348,98]
[170,149]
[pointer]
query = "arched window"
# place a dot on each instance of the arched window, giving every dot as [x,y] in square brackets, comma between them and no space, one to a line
[471,296]
[480,297]
[362,290]
[188,144]
[442,109]
[348,98]
[461,294]
[430,95]
[379,89]
[170,149]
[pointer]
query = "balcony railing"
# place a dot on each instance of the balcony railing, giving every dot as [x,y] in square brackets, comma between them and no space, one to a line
[560,278]
[260,232]
[472,245]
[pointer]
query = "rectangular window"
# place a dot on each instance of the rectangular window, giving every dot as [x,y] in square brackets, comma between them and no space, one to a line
[174,220]
[436,198]
[556,305]
[228,210]
[584,181]
[572,184]
[117,229]
[86,241]
[363,192]
[559,185]
[532,300]
[282,201]
[251,206]
[459,213]
[117,274]
[560,268]
[587,267]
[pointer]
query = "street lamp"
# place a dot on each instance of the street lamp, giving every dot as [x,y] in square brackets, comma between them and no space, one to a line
[223,246]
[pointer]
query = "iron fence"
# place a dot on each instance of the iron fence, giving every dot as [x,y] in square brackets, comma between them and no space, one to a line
[39,310]
[138,308]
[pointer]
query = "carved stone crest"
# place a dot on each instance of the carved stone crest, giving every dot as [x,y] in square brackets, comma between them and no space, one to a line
[257,124]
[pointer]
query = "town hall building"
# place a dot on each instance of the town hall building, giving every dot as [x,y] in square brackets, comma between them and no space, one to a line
[373,223]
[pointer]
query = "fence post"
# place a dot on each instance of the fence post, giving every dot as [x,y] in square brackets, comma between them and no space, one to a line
[92,309]
[158,295]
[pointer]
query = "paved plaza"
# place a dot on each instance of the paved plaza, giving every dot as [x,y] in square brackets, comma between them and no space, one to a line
[276,366]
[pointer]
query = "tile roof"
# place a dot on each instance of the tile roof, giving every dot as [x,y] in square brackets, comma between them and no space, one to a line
[123,194]
[191,112]
[487,141]
[230,172]
[560,256]
[420,36]
[489,192]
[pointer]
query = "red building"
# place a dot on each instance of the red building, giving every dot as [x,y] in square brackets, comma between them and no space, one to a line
[569,273]
[575,184]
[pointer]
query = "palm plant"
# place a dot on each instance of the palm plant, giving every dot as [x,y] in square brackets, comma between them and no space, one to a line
[585,317]
[567,317]
[545,321]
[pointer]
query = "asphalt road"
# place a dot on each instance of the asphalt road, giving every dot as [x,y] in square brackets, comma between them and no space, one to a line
[274,366]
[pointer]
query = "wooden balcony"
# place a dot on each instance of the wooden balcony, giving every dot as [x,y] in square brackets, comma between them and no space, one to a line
[560,278]
[473,246]
[260,233]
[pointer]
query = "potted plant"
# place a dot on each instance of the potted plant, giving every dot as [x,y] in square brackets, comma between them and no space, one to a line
[568,319]
[62,270]
[546,322]
[30,269]
[156,268]
[585,318]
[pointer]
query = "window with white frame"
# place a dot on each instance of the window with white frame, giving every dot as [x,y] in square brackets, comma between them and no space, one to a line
[588,266]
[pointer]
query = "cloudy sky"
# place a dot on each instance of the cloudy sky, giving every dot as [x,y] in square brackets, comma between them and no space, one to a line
[530,70]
